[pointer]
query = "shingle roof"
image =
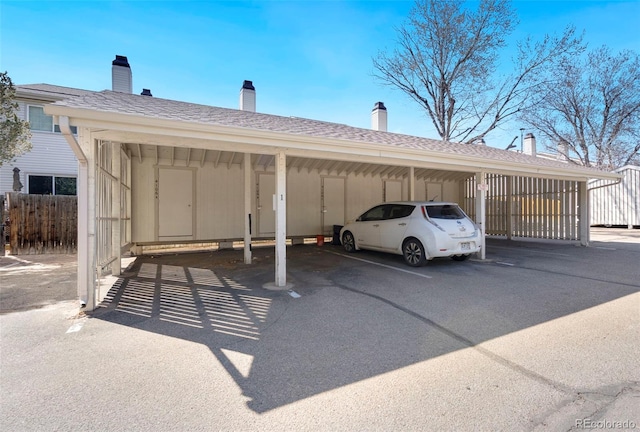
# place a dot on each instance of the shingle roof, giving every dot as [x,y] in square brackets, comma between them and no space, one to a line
[49,92]
[152,107]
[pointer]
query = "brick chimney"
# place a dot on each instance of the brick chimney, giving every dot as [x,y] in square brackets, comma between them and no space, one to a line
[529,145]
[379,117]
[121,80]
[248,97]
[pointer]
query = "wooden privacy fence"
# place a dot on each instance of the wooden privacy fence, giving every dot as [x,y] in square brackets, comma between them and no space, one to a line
[41,224]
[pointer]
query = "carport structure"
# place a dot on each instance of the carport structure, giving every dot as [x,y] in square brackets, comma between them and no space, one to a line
[162,171]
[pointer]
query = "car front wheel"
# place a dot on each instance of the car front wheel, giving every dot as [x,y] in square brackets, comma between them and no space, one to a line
[413,252]
[348,242]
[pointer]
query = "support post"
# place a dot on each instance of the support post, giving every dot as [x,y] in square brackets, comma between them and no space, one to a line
[91,283]
[116,206]
[84,266]
[509,214]
[247,208]
[481,216]
[281,220]
[412,184]
[583,197]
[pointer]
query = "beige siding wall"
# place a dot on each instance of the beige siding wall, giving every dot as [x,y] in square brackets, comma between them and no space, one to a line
[362,193]
[220,199]
[219,202]
[143,176]
[303,203]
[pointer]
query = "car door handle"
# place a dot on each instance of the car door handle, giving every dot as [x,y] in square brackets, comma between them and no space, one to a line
[402,224]
[376,225]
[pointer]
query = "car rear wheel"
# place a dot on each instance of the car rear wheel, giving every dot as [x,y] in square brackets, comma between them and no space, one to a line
[459,257]
[413,252]
[348,242]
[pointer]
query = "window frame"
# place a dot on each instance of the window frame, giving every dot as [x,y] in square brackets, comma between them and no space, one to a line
[53,178]
[54,127]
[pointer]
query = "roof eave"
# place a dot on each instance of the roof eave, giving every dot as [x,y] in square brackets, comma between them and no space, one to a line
[305,144]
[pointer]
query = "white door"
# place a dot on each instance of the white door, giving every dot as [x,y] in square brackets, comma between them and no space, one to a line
[332,203]
[266,213]
[392,190]
[175,204]
[434,191]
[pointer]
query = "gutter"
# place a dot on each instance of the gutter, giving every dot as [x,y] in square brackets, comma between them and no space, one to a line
[65,129]
[303,145]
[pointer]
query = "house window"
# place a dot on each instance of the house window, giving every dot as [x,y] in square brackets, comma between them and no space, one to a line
[52,185]
[39,121]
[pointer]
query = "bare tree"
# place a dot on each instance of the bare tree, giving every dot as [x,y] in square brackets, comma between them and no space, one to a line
[14,133]
[591,110]
[447,58]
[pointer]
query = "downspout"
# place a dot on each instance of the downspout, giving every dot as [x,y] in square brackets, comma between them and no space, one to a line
[83,285]
[617,182]
[65,129]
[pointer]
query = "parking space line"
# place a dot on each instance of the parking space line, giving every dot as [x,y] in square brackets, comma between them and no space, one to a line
[382,265]
[77,325]
[537,251]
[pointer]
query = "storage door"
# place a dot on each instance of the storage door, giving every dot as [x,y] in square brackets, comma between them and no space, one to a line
[434,191]
[175,204]
[266,213]
[392,190]
[333,207]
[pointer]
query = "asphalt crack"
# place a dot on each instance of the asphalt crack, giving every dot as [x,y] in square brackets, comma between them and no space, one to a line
[468,343]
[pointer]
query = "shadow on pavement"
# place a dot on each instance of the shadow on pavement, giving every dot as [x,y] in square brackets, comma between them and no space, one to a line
[353,320]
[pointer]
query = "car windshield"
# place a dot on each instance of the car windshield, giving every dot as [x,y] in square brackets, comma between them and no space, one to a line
[445,211]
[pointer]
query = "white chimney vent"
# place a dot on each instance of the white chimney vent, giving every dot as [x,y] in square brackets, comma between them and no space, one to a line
[379,117]
[248,97]
[529,146]
[563,151]
[121,80]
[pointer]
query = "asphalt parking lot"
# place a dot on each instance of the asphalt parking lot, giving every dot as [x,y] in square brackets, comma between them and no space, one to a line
[540,336]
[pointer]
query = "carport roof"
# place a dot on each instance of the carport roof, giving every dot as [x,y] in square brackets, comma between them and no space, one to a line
[123,108]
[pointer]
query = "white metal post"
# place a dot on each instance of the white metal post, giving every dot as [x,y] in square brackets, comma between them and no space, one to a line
[281,220]
[509,207]
[247,208]
[412,184]
[116,206]
[92,262]
[84,265]
[481,216]
[583,197]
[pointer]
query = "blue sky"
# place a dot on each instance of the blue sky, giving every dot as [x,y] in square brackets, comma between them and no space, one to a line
[307,59]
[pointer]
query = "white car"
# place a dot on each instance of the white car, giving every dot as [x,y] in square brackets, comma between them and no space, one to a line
[419,231]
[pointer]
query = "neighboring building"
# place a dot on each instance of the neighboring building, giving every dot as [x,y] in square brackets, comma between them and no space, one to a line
[611,203]
[50,167]
[618,204]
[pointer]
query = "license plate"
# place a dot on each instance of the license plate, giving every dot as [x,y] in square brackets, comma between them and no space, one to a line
[465,246]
